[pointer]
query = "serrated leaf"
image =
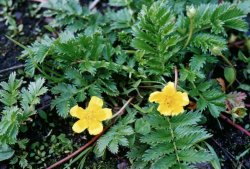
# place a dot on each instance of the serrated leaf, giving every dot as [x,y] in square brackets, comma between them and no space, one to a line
[164,162]
[197,62]
[113,146]
[142,126]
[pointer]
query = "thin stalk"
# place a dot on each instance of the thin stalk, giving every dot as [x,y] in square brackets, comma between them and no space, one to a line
[11,68]
[47,76]
[93,4]
[227,61]
[153,82]
[191,29]
[235,125]
[130,51]
[194,32]
[173,141]
[175,77]
[79,150]
[122,109]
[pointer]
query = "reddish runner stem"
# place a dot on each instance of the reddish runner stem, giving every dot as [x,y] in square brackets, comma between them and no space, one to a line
[235,125]
[78,151]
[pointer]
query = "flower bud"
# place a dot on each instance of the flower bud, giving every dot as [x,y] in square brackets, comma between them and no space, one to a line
[191,11]
[216,50]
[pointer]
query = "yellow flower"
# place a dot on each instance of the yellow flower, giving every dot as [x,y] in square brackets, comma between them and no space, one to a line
[170,101]
[90,118]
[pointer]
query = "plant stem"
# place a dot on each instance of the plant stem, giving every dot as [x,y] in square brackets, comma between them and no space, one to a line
[79,150]
[130,51]
[226,60]
[122,109]
[11,68]
[191,29]
[175,77]
[173,141]
[93,4]
[235,125]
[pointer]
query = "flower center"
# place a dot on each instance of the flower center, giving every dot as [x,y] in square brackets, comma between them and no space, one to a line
[91,115]
[167,100]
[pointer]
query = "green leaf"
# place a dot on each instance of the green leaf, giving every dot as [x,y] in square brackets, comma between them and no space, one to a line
[43,115]
[155,152]
[5,152]
[9,125]
[116,136]
[120,19]
[206,41]
[9,93]
[164,162]
[230,74]
[197,62]
[245,87]
[142,126]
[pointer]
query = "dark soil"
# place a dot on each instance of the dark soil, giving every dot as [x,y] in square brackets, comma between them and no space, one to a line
[229,142]
[31,30]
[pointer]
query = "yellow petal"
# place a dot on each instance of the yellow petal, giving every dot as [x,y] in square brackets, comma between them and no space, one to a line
[95,128]
[156,97]
[165,110]
[181,98]
[95,102]
[104,114]
[78,112]
[185,99]
[80,126]
[177,110]
[169,88]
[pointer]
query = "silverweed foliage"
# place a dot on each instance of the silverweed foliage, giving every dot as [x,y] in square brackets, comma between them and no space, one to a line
[119,135]
[169,142]
[100,60]
[83,66]
[18,105]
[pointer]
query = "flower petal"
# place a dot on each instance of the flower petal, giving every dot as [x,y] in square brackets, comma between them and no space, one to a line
[185,99]
[156,97]
[177,110]
[95,128]
[165,110]
[104,114]
[78,112]
[169,88]
[95,102]
[80,126]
